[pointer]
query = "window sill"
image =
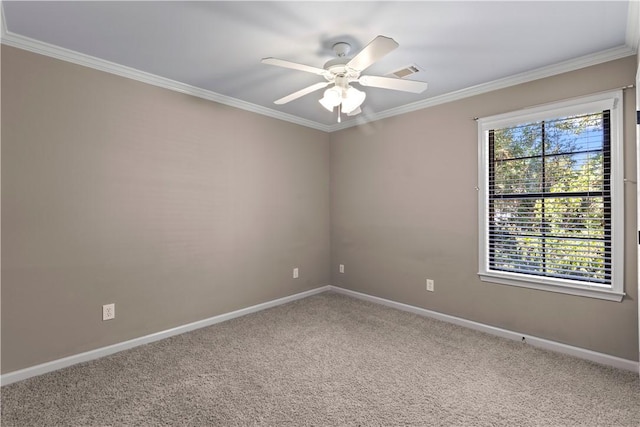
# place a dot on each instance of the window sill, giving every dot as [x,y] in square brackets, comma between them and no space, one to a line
[591,292]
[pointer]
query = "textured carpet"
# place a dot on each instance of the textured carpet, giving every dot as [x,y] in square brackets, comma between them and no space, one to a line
[329,360]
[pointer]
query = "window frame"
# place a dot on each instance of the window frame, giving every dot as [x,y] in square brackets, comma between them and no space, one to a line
[612,101]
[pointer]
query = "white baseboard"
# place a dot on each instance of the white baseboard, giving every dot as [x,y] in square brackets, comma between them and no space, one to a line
[594,356]
[54,365]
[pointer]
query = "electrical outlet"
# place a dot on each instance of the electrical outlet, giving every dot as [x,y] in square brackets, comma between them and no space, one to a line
[295,273]
[341,268]
[108,311]
[430,285]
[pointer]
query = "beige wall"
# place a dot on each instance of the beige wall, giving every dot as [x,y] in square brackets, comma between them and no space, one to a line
[178,209]
[404,208]
[174,208]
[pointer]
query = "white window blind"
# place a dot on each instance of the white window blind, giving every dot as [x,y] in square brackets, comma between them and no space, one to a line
[549,198]
[548,209]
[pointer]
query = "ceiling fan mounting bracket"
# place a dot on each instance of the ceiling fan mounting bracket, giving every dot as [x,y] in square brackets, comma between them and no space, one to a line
[341,49]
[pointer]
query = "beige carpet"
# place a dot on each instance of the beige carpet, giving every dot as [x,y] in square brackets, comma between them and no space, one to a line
[329,360]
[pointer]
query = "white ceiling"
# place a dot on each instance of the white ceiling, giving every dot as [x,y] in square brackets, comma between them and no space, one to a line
[213,49]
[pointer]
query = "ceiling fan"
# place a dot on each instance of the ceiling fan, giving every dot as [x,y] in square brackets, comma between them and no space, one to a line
[343,70]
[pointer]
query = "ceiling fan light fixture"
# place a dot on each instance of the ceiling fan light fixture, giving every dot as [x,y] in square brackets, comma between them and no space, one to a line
[353,99]
[332,98]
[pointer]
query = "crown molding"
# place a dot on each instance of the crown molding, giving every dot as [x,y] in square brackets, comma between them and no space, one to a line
[632,37]
[29,44]
[528,76]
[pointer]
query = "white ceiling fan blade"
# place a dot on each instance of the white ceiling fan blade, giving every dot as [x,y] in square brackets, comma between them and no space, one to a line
[375,50]
[395,84]
[355,112]
[294,66]
[301,92]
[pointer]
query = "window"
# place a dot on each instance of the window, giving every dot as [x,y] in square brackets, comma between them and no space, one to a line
[551,208]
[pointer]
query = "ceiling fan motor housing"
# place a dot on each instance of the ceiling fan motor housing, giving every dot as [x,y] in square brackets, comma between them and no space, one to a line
[338,66]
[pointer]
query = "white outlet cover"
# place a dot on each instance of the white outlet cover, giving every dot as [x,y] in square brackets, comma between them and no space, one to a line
[295,273]
[108,311]
[341,268]
[430,285]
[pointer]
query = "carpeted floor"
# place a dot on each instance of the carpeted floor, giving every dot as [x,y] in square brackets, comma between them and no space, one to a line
[329,360]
